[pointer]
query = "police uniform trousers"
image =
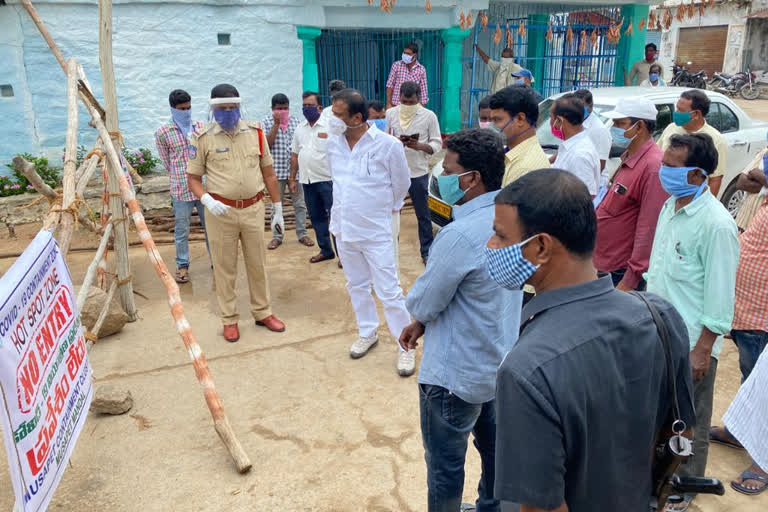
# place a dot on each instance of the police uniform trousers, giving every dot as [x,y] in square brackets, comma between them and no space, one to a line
[368,263]
[244,225]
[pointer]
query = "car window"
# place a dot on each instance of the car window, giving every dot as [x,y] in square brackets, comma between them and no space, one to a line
[663,118]
[722,118]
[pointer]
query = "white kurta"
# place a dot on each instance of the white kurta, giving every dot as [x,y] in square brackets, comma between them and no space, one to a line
[370,182]
[747,417]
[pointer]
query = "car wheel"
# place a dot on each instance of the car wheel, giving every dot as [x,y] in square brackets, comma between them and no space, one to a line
[733,198]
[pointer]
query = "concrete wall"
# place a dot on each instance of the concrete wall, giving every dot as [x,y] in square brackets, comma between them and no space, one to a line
[756,44]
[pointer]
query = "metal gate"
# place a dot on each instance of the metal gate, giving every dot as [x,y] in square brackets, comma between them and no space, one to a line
[363,58]
[562,67]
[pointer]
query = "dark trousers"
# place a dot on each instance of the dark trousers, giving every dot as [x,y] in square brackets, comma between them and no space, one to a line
[703,392]
[618,275]
[751,344]
[419,191]
[446,421]
[319,199]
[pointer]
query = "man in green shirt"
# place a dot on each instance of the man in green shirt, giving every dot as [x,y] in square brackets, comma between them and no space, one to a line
[693,265]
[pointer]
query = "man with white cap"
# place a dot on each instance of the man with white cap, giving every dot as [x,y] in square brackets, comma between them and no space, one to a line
[627,216]
[234,157]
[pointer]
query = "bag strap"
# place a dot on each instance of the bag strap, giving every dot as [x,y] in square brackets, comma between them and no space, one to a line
[663,332]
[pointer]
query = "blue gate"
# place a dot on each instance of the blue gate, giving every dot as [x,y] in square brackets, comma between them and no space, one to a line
[562,67]
[363,58]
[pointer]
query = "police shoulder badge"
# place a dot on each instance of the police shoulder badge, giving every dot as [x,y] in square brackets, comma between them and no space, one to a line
[192,152]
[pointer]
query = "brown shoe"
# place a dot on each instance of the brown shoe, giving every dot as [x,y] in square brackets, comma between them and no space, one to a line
[305,240]
[274,244]
[231,333]
[317,258]
[271,323]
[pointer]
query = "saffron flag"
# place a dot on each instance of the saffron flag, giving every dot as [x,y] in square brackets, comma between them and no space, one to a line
[45,379]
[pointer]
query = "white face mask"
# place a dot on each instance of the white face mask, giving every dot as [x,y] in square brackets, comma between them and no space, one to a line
[407,58]
[336,126]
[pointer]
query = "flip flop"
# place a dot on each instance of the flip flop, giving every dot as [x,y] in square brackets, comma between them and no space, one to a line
[715,436]
[182,278]
[750,475]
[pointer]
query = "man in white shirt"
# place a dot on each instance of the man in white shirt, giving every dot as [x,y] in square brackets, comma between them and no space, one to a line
[597,131]
[577,153]
[370,180]
[419,131]
[309,161]
[334,86]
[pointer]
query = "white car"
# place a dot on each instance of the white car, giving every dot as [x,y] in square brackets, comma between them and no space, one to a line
[745,137]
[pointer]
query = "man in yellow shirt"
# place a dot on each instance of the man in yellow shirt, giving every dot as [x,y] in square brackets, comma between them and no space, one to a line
[689,118]
[514,112]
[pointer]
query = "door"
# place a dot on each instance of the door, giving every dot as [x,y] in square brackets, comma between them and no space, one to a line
[704,47]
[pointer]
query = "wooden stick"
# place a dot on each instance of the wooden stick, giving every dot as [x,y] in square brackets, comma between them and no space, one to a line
[116,207]
[70,162]
[27,169]
[84,176]
[91,272]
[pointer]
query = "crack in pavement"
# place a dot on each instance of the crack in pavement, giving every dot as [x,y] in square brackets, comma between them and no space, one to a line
[271,435]
[298,345]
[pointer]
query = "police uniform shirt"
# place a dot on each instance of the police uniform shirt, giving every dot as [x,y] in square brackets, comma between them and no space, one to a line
[232,164]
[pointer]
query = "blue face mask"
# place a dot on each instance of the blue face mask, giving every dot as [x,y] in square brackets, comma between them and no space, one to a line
[675,181]
[227,119]
[381,124]
[619,136]
[654,77]
[448,185]
[520,81]
[586,113]
[681,118]
[508,267]
[182,119]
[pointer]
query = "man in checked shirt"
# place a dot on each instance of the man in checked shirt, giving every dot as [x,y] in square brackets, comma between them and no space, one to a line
[407,69]
[172,144]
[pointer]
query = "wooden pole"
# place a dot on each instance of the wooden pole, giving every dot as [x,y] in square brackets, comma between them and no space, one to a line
[116,207]
[68,216]
[27,169]
[90,273]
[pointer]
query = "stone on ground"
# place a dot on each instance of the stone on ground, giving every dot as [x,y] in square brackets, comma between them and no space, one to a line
[116,317]
[110,399]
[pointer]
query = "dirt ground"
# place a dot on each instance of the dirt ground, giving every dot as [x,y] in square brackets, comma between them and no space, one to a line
[324,432]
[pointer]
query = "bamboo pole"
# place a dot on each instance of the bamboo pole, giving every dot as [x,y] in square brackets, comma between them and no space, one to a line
[90,273]
[68,216]
[84,176]
[202,372]
[27,169]
[116,207]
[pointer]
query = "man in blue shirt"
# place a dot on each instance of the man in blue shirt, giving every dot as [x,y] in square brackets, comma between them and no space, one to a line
[469,324]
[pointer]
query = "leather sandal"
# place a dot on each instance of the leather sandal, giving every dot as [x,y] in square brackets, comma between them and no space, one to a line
[274,244]
[305,240]
[317,258]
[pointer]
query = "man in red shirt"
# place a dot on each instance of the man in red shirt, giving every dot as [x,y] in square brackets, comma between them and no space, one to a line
[627,216]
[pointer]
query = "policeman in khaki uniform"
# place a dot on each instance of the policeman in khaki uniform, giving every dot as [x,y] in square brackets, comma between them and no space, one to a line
[234,156]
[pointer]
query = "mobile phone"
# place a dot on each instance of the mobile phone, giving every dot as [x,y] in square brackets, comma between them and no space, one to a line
[415,136]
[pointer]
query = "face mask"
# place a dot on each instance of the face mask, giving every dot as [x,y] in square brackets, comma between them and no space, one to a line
[586,113]
[183,119]
[654,77]
[407,58]
[311,114]
[681,118]
[484,124]
[558,132]
[650,57]
[381,124]
[675,181]
[336,126]
[520,81]
[227,119]
[449,188]
[508,267]
[284,116]
[619,136]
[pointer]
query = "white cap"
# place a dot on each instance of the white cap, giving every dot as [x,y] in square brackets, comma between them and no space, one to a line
[639,108]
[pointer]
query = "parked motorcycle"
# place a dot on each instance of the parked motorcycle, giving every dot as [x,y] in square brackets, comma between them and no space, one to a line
[756,85]
[728,84]
[681,77]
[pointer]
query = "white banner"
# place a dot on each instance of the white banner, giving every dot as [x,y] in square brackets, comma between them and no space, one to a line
[45,379]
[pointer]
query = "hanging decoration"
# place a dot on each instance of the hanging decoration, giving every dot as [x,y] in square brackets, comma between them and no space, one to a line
[483,20]
[667,19]
[497,35]
[630,29]
[569,34]
[462,20]
[701,10]
[509,36]
[549,35]
[641,25]
[691,11]
[711,3]
[680,13]
[583,42]
[593,38]
[428,6]
[614,32]
[652,20]
[469,20]
[521,29]
[385,7]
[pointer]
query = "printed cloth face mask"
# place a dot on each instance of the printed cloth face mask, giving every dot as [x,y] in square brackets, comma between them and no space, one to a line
[508,267]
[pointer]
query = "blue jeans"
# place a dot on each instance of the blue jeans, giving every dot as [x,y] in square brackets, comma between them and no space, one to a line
[751,344]
[182,211]
[299,209]
[319,198]
[446,421]
[419,191]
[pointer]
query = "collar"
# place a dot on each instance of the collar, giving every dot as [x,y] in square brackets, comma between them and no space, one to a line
[568,144]
[631,162]
[694,206]
[520,148]
[475,204]
[553,298]
[319,123]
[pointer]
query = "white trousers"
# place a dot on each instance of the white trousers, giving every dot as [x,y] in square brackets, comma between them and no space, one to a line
[369,264]
[396,242]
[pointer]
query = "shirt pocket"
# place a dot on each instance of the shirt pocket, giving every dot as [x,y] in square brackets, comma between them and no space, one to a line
[252,160]
[617,201]
[683,264]
[320,144]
